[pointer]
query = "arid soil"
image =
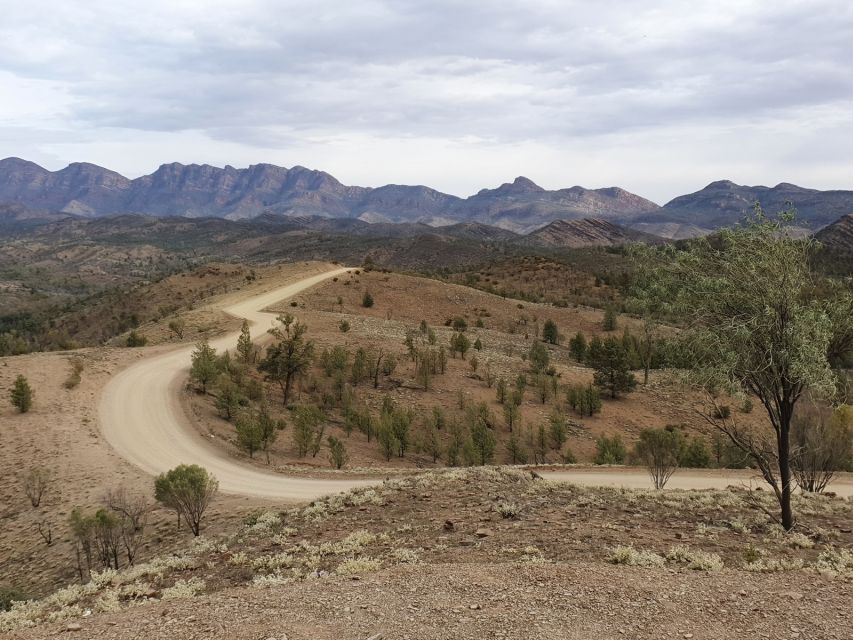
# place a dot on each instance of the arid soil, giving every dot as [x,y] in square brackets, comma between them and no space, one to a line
[493,553]
[509,328]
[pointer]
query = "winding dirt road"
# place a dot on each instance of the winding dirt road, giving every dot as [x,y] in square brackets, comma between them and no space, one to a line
[142,419]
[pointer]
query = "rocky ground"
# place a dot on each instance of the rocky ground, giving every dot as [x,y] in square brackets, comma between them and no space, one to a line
[485,553]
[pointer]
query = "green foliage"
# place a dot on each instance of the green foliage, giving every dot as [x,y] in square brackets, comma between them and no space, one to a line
[290,357]
[609,323]
[482,439]
[823,445]
[307,429]
[229,397]
[578,347]
[177,326]
[397,422]
[585,400]
[612,367]
[558,430]
[459,343]
[550,333]
[135,339]
[250,436]
[658,450]
[360,369]
[539,357]
[367,300]
[10,595]
[205,366]
[245,347]
[344,326]
[478,345]
[694,454]
[515,450]
[22,394]
[757,320]
[501,391]
[609,450]
[189,490]
[512,415]
[337,453]
[459,324]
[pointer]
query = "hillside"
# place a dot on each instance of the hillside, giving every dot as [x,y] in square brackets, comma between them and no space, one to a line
[588,232]
[724,203]
[838,236]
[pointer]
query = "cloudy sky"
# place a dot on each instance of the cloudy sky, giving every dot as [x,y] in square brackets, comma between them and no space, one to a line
[657,97]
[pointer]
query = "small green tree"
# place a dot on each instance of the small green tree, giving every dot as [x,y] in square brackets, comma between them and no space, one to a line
[289,357]
[245,347]
[177,326]
[539,357]
[658,450]
[501,391]
[578,346]
[189,490]
[550,333]
[337,452]
[612,371]
[822,445]
[609,323]
[759,320]
[367,300]
[307,431]
[512,415]
[22,394]
[483,441]
[250,436]
[609,450]
[516,453]
[205,365]
[559,430]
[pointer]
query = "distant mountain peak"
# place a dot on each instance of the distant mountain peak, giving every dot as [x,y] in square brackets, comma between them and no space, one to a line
[520,185]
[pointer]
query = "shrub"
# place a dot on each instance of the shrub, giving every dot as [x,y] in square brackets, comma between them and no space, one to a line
[75,376]
[135,339]
[344,326]
[188,489]
[609,450]
[367,300]
[658,449]
[37,481]
[821,446]
[337,453]
[550,333]
[635,558]
[22,394]
[696,560]
[508,510]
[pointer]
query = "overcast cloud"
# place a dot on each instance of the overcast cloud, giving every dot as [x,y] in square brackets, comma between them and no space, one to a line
[657,97]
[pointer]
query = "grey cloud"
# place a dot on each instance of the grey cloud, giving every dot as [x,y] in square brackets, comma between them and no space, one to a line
[521,70]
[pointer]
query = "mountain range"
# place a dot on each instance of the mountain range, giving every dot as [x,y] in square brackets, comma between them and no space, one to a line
[520,206]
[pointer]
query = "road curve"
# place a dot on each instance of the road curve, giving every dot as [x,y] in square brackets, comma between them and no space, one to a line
[142,418]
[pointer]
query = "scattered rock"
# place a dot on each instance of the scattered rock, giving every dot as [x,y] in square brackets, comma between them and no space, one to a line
[483,532]
[73,626]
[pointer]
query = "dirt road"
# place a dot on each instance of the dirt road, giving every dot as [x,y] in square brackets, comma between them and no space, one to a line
[141,415]
[635,478]
[142,419]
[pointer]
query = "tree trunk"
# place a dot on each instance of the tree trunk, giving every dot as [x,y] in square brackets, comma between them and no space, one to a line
[785,469]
